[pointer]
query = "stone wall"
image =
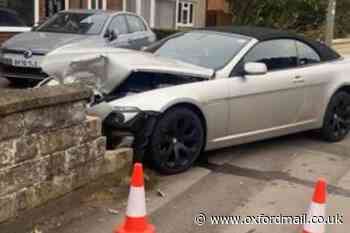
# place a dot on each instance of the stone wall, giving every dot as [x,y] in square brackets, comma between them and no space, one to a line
[48,146]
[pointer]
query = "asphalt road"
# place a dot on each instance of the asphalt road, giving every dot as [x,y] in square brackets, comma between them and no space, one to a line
[271,177]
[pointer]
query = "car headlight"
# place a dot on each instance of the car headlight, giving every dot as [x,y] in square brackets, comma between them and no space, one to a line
[125,114]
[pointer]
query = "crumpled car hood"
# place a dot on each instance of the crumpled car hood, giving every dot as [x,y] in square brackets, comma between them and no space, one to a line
[111,66]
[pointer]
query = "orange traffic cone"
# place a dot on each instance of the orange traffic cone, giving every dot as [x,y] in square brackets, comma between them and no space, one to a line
[136,221]
[317,208]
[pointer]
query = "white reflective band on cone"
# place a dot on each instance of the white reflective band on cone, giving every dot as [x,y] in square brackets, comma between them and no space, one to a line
[316,210]
[136,203]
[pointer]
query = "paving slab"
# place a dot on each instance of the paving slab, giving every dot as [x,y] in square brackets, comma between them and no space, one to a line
[271,177]
[269,155]
[312,141]
[344,182]
[171,186]
[338,205]
[311,165]
[217,194]
[278,197]
[285,198]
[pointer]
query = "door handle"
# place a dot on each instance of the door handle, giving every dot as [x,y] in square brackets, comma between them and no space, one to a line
[298,79]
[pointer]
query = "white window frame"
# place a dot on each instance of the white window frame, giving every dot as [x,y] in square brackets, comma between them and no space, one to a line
[124,5]
[66,4]
[25,29]
[152,20]
[139,7]
[188,9]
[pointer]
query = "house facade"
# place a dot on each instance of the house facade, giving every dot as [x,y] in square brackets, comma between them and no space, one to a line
[160,14]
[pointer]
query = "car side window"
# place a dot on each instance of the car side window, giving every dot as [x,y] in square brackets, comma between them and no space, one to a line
[276,54]
[135,24]
[118,23]
[307,55]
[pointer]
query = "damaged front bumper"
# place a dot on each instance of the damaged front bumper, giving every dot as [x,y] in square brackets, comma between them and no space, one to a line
[131,126]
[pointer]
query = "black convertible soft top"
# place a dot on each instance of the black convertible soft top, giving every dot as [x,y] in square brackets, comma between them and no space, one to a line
[263,34]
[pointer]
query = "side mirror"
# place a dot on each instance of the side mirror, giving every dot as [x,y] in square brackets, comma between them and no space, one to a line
[111,35]
[255,68]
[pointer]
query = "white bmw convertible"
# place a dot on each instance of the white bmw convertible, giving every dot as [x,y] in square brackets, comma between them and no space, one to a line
[212,88]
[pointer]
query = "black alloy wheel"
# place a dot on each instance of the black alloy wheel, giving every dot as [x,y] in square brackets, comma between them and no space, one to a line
[337,119]
[177,141]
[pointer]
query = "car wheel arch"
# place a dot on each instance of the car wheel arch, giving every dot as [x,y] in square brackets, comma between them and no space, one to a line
[328,129]
[345,88]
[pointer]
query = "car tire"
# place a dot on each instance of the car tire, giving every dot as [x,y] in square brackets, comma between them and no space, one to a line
[336,125]
[177,141]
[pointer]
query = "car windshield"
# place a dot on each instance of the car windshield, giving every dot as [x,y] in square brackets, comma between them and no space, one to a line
[207,49]
[77,23]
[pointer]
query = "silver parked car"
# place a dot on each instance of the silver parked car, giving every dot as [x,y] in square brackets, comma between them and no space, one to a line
[207,89]
[20,56]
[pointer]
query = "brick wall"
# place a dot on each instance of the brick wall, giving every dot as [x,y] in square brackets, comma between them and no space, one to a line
[5,36]
[218,18]
[216,5]
[115,4]
[78,4]
[42,9]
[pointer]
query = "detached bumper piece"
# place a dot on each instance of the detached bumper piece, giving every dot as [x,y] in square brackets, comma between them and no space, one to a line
[140,127]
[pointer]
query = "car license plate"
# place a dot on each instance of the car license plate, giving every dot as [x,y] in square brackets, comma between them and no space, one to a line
[20,61]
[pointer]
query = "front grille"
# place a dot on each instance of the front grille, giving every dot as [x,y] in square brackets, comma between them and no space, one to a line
[23,72]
